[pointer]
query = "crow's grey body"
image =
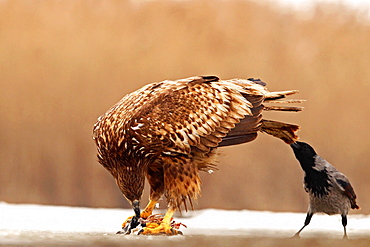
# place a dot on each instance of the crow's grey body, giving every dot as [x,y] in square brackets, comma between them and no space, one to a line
[336,201]
[329,190]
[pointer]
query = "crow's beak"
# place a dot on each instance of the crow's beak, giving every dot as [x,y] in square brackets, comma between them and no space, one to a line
[295,145]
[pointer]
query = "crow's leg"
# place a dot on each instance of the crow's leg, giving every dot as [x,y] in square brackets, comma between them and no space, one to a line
[344,223]
[306,222]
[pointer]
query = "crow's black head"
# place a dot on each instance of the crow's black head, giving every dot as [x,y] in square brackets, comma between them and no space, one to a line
[304,153]
[316,181]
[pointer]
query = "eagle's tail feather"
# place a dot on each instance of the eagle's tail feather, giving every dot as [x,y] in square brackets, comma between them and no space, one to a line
[246,130]
[283,131]
[279,94]
[274,97]
[283,108]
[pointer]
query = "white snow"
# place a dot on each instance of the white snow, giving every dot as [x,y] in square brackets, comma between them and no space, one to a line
[17,220]
[305,7]
[350,3]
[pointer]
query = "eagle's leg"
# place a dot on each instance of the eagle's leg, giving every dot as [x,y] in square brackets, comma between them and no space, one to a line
[148,210]
[164,228]
[155,178]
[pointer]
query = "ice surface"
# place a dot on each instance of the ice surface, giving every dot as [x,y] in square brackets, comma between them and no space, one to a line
[20,223]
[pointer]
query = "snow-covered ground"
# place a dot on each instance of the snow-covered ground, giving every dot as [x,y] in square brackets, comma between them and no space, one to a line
[36,224]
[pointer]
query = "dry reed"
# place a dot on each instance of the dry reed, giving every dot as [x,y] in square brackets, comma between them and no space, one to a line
[63,63]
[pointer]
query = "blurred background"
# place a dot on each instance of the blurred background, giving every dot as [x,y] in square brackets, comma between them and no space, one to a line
[64,63]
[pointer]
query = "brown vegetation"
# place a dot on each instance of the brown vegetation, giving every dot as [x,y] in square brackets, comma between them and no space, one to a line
[64,63]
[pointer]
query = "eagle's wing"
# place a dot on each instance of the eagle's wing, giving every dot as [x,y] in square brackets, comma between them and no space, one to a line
[195,112]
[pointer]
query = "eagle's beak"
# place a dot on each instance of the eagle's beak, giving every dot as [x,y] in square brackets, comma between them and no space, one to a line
[136,206]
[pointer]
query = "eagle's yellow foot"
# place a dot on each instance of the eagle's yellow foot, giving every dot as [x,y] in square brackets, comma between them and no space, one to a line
[159,229]
[144,215]
[127,221]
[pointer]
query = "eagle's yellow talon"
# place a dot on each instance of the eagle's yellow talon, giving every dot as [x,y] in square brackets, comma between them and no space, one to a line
[126,221]
[159,229]
[152,225]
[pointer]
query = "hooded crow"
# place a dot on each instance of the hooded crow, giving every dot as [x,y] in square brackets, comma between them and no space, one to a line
[329,190]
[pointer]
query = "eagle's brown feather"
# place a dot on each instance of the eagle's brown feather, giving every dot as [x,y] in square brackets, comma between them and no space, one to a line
[168,131]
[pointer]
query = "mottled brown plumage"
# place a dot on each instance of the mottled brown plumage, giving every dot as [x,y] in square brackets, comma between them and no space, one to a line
[169,131]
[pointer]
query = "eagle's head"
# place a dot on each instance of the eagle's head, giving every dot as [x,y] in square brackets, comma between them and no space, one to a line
[130,180]
[128,171]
